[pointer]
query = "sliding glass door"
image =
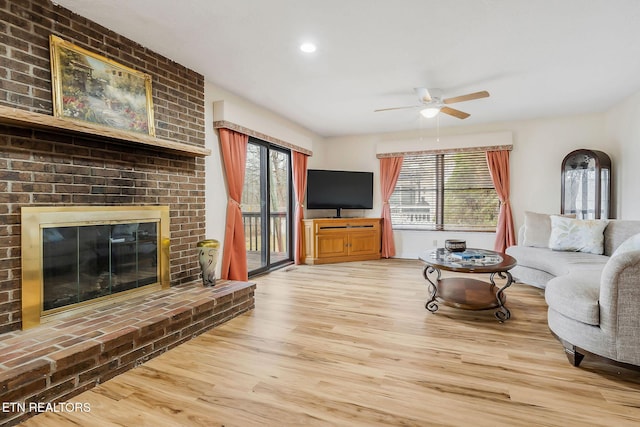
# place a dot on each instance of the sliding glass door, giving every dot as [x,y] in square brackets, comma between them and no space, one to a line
[267,206]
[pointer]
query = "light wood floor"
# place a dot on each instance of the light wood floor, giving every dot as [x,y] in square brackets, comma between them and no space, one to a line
[352,345]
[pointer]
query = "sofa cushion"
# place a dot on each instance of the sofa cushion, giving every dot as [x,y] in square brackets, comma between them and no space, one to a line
[580,235]
[537,229]
[631,244]
[575,296]
[531,276]
[556,263]
[617,232]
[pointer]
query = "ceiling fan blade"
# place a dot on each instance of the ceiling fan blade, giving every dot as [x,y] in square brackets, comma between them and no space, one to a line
[423,94]
[467,97]
[395,108]
[455,113]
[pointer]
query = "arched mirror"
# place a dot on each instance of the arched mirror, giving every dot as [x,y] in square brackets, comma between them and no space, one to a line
[586,184]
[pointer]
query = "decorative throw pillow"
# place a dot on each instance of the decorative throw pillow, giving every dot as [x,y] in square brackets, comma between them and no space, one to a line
[578,235]
[631,244]
[537,229]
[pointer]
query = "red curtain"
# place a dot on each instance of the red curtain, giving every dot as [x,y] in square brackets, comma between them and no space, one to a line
[234,156]
[300,186]
[498,162]
[389,173]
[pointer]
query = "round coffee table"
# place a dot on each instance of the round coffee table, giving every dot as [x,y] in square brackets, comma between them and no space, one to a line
[465,292]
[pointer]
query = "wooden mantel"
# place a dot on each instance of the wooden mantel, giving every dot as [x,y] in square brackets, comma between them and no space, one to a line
[28,119]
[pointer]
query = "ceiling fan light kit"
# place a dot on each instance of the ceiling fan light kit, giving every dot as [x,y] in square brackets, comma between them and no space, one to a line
[430,112]
[431,103]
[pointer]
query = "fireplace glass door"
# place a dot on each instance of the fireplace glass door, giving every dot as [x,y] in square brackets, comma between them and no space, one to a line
[82,263]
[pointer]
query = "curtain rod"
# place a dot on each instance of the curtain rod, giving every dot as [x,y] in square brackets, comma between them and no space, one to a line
[446,151]
[246,131]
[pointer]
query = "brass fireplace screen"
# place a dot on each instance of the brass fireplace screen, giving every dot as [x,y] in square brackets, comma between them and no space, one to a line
[76,256]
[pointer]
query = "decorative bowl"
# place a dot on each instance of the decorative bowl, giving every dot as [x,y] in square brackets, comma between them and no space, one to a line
[454,245]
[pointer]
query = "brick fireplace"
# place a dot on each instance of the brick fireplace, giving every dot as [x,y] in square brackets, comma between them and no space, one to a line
[49,168]
[56,168]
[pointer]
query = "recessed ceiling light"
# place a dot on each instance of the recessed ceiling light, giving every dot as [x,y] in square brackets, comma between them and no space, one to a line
[308,47]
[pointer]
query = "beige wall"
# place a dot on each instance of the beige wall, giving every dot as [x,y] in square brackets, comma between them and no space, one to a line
[538,149]
[623,132]
[256,118]
[216,189]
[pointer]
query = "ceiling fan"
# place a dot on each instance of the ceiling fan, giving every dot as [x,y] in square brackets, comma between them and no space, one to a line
[431,103]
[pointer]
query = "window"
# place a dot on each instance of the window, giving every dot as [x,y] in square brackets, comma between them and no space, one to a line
[451,191]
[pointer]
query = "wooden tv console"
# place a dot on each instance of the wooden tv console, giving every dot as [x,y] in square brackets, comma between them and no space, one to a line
[329,240]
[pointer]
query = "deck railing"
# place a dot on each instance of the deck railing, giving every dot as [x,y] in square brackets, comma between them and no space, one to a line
[278,238]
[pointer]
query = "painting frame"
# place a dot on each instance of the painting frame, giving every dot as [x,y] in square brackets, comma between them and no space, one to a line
[89,87]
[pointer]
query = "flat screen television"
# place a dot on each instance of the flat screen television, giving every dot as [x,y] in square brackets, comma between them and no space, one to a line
[330,189]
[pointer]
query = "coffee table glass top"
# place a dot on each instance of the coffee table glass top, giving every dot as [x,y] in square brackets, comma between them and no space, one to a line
[469,260]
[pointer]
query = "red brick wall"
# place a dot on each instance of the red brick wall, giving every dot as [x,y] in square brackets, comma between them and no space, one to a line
[44,168]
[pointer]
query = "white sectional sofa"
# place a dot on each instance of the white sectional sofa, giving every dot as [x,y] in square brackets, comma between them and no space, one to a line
[593,299]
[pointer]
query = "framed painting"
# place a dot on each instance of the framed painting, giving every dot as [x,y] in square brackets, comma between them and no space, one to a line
[89,87]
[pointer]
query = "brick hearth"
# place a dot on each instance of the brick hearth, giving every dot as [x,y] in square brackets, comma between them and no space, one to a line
[63,358]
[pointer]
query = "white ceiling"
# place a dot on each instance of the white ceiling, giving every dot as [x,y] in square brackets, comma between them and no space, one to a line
[536,58]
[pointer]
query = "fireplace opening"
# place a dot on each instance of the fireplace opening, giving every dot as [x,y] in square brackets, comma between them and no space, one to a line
[76,256]
[82,263]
